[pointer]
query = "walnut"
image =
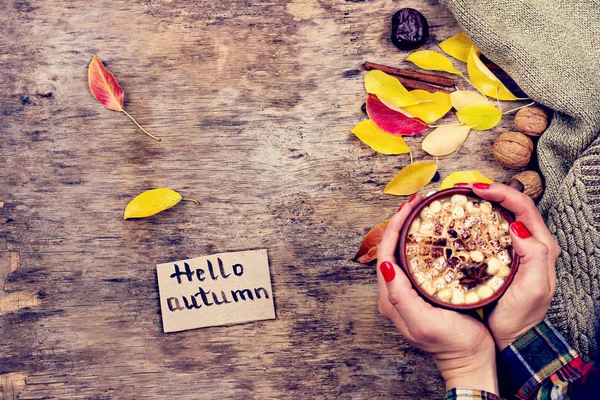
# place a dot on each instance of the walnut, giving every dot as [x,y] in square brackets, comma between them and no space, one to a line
[513,150]
[532,121]
[532,181]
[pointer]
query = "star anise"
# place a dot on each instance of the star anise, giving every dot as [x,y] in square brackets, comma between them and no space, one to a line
[475,275]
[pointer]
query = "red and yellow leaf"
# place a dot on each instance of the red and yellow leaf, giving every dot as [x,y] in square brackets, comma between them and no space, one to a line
[104,86]
[370,244]
[392,121]
[106,90]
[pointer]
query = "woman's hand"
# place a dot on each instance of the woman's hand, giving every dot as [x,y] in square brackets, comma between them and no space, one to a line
[527,299]
[461,346]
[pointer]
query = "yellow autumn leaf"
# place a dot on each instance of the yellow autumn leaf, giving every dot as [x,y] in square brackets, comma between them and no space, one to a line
[151,202]
[461,98]
[432,61]
[480,117]
[432,107]
[445,139]
[458,46]
[463,176]
[378,140]
[479,312]
[387,88]
[411,179]
[485,80]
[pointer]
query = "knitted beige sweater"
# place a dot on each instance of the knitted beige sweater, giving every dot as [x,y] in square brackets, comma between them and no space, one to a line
[551,48]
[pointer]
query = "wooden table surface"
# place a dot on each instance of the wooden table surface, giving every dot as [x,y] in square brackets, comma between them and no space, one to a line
[254,101]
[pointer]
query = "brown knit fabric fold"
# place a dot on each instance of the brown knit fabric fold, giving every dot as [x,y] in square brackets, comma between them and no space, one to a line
[551,49]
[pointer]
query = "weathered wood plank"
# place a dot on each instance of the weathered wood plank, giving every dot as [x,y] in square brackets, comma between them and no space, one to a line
[254,102]
[12,384]
[13,300]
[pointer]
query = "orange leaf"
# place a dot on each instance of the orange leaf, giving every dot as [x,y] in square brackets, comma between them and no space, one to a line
[106,90]
[104,86]
[368,248]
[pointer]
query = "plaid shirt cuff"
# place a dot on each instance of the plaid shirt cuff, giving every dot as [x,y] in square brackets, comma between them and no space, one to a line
[535,356]
[470,394]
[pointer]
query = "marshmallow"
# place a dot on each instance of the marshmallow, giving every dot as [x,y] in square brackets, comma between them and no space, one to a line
[435,206]
[484,291]
[458,297]
[486,207]
[458,212]
[471,297]
[459,199]
[493,266]
[445,295]
[476,256]
[504,271]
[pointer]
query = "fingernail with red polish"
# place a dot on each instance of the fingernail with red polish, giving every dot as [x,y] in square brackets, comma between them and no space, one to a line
[519,229]
[481,185]
[387,270]
[414,196]
[461,184]
[401,207]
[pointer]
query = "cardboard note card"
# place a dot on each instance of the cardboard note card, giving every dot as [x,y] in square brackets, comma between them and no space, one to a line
[222,289]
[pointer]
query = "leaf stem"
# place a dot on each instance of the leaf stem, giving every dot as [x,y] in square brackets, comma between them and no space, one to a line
[194,200]
[139,126]
[518,108]
[498,97]
[411,156]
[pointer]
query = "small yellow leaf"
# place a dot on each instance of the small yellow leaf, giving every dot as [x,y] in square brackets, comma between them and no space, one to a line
[387,88]
[432,61]
[445,139]
[461,98]
[458,46]
[480,117]
[411,179]
[433,106]
[485,80]
[151,202]
[479,312]
[378,140]
[463,176]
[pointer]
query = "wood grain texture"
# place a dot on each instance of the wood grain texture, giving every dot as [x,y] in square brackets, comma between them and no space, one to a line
[254,101]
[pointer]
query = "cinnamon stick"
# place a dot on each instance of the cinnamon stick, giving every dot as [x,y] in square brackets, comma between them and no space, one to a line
[411,74]
[413,84]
